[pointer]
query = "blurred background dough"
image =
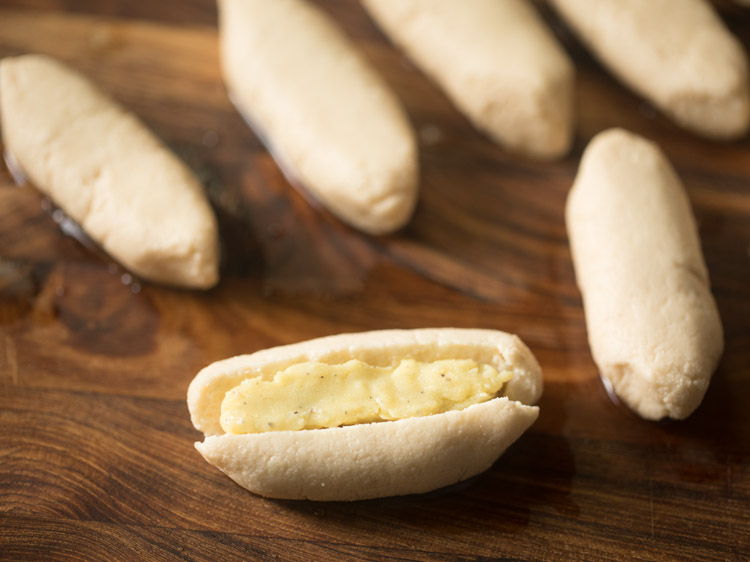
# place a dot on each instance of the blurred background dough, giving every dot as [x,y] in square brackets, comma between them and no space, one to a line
[108,172]
[331,121]
[497,62]
[678,54]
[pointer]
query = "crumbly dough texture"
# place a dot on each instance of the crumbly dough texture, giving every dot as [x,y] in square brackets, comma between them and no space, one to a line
[361,461]
[678,54]
[497,62]
[333,124]
[653,325]
[109,173]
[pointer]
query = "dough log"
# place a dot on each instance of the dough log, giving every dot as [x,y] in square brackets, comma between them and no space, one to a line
[678,54]
[329,119]
[653,326]
[497,62]
[110,174]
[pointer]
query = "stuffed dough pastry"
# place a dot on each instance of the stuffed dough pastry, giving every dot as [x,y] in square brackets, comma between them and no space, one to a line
[366,415]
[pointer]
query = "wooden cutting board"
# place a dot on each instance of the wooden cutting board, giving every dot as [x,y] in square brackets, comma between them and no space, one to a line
[96,450]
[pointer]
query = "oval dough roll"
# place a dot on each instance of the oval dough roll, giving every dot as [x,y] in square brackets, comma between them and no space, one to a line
[327,116]
[676,53]
[109,173]
[497,62]
[653,326]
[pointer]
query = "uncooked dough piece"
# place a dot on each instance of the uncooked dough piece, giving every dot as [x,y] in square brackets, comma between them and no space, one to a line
[327,116]
[498,63]
[653,325]
[109,173]
[368,460]
[676,53]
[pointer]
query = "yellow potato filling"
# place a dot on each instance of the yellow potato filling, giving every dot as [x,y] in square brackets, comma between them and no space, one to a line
[314,395]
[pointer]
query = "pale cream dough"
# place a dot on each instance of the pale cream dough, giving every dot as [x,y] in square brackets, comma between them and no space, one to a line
[653,326]
[678,54]
[498,63]
[328,117]
[108,172]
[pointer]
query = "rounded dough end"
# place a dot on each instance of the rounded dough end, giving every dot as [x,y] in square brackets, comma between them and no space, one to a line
[720,119]
[539,122]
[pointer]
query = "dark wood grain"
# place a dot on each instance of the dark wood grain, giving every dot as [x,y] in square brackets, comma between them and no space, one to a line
[96,452]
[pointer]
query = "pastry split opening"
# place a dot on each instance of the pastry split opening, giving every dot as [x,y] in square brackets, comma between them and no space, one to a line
[316,395]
